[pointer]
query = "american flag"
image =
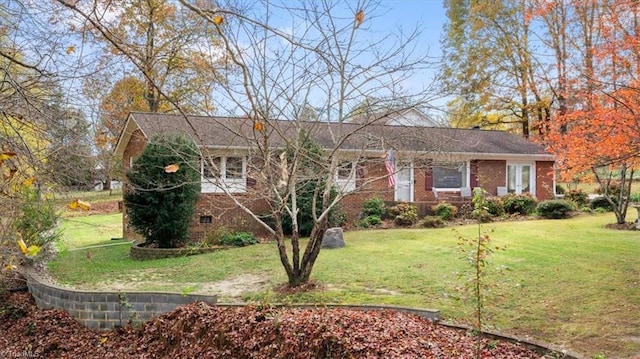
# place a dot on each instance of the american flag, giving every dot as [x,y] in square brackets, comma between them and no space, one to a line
[390,165]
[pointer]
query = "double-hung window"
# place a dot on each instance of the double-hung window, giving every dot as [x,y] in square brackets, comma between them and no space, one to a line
[224,173]
[345,177]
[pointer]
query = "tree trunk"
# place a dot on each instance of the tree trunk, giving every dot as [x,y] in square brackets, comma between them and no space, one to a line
[303,274]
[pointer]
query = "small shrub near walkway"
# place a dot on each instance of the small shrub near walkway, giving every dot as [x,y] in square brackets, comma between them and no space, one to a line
[554,209]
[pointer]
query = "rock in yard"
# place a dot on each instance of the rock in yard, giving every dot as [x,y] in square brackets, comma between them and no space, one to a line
[333,238]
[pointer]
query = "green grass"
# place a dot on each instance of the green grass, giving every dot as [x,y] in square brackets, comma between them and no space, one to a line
[592,187]
[91,230]
[569,282]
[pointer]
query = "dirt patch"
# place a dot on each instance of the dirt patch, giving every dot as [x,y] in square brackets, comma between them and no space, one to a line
[627,226]
[228,290]
[102,207]
[234,288]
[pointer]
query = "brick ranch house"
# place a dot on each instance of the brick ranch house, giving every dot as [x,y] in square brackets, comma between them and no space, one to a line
[432,163]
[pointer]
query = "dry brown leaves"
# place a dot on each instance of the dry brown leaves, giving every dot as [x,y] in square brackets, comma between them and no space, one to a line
[200,330]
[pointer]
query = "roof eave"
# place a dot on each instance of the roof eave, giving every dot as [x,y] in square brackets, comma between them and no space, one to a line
[125,135]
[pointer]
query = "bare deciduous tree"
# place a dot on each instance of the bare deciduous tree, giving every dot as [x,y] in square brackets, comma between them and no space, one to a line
[323,56]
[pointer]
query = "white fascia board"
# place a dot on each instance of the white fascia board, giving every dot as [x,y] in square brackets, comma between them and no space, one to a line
[125,136]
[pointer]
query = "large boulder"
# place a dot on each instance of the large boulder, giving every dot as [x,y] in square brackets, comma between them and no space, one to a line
[333,238]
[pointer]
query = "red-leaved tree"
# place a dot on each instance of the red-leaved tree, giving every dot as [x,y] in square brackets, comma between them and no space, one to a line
[600,135]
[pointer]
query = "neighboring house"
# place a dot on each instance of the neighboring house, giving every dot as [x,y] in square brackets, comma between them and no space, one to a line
[404,117]
[432,163]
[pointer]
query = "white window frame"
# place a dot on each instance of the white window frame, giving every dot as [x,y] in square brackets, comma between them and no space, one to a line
[220,183]
[466,180]
[518,174]
[346,184]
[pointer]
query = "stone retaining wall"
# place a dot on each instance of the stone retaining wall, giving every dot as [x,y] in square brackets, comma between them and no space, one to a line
[107,310]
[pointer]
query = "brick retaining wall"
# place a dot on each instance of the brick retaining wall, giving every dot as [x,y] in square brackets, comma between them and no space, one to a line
[139,252]
[107,310]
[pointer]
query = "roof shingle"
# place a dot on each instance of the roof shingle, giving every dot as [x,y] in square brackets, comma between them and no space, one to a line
[238,132]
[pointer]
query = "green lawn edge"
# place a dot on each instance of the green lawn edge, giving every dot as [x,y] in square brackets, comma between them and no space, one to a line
[568,282]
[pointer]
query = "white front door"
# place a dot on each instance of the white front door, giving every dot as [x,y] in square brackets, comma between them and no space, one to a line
[521,178]
[404,182]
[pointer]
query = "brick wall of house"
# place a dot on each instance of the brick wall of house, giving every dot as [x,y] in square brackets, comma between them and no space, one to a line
[216,210]
[491,175]
[224,213]
[134,148]
[352,203]
[544,181]
[422,191]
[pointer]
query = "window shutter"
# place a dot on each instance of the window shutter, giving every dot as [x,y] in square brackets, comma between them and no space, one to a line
[428,175]
[474,174]
[360,175]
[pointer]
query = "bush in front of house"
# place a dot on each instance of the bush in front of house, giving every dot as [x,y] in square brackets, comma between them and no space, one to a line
[602,203]
[560,189]
[374,207]
[404,214]
[613,190]
[445,210]
[634,198]
[555,209]
[494,206]
[309,188]
[213,238]
[238,239]
[305,194]
[523,204]
[373,210]
[433,222]
[368,221]
[161,200]
[577,196]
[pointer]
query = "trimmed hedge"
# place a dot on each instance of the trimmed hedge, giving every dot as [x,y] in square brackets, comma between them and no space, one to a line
[554,209]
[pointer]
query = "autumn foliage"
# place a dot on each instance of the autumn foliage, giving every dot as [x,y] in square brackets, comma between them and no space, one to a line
[598,132]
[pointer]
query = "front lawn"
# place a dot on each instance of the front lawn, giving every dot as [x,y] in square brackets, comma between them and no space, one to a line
[85,231]
[569,282]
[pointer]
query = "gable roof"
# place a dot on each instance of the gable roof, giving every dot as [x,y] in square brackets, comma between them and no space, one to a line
[238,132]
[402,117]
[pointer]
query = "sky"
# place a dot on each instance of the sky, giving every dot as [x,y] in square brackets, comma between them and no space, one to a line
[383,18]
[430,13]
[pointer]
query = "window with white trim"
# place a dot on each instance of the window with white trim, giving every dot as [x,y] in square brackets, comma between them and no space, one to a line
[224,173]
[345,177]
[450,174]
